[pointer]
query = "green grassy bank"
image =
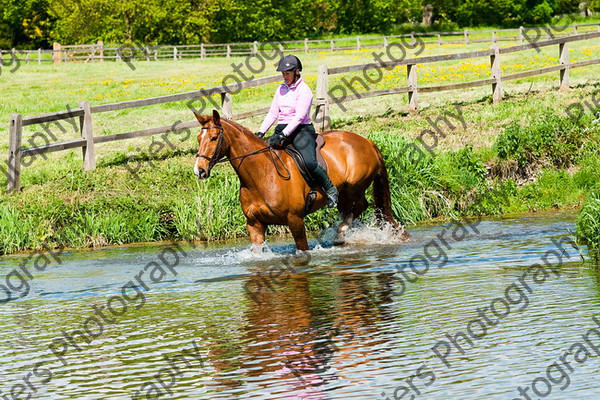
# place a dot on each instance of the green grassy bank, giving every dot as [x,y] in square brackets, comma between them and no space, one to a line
[552,162]
[588,223]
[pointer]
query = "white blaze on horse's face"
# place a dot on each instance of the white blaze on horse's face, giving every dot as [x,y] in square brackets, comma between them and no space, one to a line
[207,146]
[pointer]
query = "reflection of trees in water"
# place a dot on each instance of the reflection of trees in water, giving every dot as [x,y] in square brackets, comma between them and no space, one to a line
[298,325]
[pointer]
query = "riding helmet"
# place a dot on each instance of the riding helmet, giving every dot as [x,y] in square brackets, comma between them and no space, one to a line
[289,63]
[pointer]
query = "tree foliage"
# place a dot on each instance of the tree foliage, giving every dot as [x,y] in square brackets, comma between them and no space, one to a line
[38,23]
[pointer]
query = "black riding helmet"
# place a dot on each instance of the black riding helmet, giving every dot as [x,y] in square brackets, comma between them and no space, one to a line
[289,63]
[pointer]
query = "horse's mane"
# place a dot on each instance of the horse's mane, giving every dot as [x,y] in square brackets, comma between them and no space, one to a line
[242,128]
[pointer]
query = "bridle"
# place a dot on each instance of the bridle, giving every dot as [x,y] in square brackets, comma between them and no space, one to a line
[214,160]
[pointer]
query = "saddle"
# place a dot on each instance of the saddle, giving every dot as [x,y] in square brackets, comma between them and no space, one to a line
[297,157]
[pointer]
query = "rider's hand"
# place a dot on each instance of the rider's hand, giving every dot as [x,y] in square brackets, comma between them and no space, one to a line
[278,139]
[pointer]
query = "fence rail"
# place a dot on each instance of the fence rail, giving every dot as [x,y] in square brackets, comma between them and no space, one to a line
[322,101]
[495,80]
[98,53]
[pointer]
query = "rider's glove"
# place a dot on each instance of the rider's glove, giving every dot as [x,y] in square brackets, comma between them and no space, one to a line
[278,139]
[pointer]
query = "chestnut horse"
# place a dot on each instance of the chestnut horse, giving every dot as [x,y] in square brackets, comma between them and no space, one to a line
[272,191]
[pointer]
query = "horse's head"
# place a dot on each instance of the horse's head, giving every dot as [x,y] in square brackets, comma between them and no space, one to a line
[211,144]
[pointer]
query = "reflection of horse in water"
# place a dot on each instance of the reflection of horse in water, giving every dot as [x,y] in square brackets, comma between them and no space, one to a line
[272,191]
[308,340]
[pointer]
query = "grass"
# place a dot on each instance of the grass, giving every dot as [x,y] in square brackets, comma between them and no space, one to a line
[524,154]
[588,223]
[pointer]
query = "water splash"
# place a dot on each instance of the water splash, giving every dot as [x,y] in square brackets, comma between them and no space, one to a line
[372,232]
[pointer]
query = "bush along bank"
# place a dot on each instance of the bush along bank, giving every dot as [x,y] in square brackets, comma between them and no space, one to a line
[588,223]
[552,162]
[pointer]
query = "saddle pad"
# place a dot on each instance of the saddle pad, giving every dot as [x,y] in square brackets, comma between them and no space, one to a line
[291,150]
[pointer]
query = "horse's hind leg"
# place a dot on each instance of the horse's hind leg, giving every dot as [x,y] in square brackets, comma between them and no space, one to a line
[340,238]
[360,205]
[257,234]
[345,204]
[350,210]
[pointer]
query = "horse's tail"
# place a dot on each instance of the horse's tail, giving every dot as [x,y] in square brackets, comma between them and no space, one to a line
[381,193]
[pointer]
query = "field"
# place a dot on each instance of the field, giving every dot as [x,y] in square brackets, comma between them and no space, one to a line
[60,203]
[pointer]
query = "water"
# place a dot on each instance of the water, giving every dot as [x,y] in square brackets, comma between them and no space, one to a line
[350,323]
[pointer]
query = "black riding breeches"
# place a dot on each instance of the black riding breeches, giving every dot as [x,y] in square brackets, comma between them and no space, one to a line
[304,140]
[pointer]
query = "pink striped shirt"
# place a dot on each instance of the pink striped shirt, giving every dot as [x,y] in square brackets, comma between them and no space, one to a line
[291,106]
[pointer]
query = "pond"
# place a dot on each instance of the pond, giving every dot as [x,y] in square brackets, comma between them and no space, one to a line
[497,309]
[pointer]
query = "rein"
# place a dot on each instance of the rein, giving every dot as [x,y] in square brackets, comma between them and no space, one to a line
[213,160]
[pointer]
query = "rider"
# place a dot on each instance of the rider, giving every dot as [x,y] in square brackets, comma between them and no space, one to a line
[291,107]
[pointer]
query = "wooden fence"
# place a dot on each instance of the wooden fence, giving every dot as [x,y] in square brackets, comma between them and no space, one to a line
[322,100]
[80,52]
[97,52]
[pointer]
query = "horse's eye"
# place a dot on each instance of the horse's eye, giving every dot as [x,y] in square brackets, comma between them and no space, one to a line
[213,139]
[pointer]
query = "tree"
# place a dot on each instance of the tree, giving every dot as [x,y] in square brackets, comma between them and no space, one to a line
[25,23]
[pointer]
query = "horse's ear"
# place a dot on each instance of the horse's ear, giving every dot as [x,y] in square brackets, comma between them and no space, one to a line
[216,117]
[202,118]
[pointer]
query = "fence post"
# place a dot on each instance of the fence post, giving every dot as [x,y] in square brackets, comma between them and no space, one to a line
[495,66]
[494,37]
[39,56]
[521,37]
[27,58]
[202,50]
[358,43]
[575,29]
[332,46]
[147,51]
[228,51]
[56,53]
[306,45]
[85,122]
[563,56]
[321,116]
[466,36]
[155,54]
[13,173]
[174,53]
[413,96]
[227,105]
[255,47]
[412,39]
[385,42]
[101,52]
[439,39]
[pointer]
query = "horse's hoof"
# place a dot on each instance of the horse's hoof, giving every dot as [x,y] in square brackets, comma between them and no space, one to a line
[404,235]
[258,248]
[339,241]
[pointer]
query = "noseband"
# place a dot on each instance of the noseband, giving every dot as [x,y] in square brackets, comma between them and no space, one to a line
[213,160]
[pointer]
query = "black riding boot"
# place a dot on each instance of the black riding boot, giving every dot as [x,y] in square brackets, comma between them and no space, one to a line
[322,179]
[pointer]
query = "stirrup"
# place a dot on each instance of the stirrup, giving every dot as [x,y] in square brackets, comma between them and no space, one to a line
[332,197]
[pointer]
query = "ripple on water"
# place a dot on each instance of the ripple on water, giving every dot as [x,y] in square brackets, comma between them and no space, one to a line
[343,325]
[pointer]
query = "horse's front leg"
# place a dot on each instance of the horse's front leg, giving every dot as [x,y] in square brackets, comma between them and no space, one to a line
[299,233]
[257,235]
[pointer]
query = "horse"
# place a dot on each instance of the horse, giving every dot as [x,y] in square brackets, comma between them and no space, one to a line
[272,190]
